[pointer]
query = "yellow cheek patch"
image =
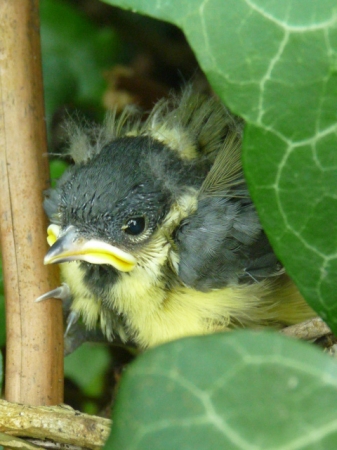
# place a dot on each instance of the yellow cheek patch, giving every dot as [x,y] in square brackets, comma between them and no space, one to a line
[53,232]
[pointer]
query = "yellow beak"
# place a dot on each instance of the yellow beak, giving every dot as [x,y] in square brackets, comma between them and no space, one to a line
[71,247]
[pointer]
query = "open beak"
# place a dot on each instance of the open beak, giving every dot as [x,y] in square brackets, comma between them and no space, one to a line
[71,247]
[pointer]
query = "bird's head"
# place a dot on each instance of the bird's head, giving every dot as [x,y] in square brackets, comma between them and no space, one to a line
[119,209]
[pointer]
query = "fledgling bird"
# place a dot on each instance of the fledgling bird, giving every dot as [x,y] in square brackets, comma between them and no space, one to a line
[155,231]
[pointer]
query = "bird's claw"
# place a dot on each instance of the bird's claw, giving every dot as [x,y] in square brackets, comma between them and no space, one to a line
[64,294]
[61,292]
[72,318]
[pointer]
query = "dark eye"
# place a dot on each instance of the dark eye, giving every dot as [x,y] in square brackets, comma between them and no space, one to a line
[135,226]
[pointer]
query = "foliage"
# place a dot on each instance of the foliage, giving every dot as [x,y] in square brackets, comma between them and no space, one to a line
[86,368]
[57,167]
[74,54]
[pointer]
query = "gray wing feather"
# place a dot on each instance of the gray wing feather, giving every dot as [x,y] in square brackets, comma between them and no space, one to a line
[223,243]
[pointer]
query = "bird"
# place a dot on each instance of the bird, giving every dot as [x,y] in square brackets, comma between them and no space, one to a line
[155,232]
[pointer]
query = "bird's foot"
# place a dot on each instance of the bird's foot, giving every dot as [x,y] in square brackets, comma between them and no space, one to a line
[75,333]
[61,292]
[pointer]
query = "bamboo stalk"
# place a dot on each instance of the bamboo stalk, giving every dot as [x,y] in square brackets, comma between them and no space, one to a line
[34,364]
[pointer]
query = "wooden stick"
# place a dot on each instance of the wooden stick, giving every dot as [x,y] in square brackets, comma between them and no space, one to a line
[34,366]
[61,424]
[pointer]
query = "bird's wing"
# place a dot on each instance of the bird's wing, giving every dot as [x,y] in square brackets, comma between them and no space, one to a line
[222,242]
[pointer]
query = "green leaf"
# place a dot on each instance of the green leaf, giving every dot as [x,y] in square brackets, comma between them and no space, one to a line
[241,390]
[74,55]
[86,366]
[275,64]
[56,167]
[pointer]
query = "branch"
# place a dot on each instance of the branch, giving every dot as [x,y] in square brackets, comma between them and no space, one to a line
[60,424]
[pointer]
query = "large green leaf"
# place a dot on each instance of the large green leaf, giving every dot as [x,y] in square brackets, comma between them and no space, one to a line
[275,64]
[239,390]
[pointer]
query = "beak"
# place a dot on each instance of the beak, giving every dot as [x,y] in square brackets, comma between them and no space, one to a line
[71,247]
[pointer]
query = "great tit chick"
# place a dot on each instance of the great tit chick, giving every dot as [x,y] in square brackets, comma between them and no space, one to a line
[156,234]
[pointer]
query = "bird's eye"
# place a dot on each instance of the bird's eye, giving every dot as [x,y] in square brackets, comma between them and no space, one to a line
[135,226]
